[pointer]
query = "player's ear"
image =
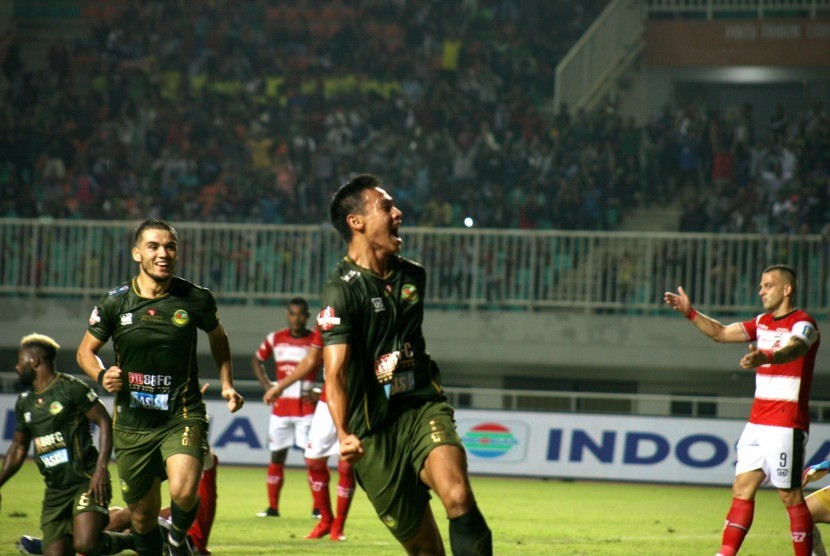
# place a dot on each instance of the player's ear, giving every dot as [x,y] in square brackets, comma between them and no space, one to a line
[355,221]
[136,255]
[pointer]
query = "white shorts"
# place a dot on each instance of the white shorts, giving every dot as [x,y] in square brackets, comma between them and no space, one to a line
[777,451]
[322,438]
[285,432]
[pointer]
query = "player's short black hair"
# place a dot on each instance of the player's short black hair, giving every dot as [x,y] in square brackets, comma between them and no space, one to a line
[786,271]
[349,199]
[301,301]
[154,224]
[46,347]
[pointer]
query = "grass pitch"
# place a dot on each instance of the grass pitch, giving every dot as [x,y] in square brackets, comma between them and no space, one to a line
[527,517]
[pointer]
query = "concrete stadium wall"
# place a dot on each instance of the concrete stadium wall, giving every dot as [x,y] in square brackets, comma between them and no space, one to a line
[560,351]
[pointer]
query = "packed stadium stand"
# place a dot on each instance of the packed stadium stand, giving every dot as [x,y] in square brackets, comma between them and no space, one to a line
[249,114]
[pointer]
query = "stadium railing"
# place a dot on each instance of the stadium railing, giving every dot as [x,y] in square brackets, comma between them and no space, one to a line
[711,9]
[469,269]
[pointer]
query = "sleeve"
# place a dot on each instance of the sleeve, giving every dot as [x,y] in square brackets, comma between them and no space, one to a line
[751,329]
[209,314]
[100,325]
[19,417]
[806,331]
[335,321]
[82,396]
[265,349]
[316,338]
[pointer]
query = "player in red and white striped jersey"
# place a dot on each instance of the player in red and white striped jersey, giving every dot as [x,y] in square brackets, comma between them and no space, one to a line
[322,443]
[294,408]
[783,341]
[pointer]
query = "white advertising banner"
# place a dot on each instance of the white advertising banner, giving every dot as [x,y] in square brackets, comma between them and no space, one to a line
[556,445]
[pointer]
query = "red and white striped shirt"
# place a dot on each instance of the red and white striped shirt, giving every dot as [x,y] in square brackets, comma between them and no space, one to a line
[782,391]
[287,351]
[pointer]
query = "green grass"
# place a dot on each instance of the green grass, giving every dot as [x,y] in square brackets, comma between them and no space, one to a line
[527,516]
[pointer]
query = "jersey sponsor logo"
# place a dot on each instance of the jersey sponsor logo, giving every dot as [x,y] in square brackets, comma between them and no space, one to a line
[151,380]
[350,275]
[402,382]
[91,396]
[53,459]
[409,293]
[385,366]
[94,317]
[180,317]
[49,442]
[126,319]
[146,400]
[27,417]
[151,312]
[377,303]
[327,319]
[55,407]
[152,316]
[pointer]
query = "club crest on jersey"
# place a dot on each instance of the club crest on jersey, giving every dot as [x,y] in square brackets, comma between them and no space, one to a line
[126,319]
[94,317]
[327,319]
[180,317]
[55,407]
[409,293]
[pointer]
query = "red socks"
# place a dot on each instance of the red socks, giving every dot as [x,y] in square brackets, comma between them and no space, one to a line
[276,474]
[345,491]
[801,525]
[738,522]
[200,530]
[318,478]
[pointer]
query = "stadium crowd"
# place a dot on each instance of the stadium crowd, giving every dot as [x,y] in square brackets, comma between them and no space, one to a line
[257,111]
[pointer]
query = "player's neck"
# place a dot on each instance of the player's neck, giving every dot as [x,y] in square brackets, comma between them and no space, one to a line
[43,380]
[783,310]
[145,286]
[375,261]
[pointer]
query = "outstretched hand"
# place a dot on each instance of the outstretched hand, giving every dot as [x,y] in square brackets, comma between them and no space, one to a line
[679,301]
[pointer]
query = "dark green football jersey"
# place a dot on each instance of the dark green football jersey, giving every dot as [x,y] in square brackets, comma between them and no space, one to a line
[155,347]
[54,417]
[380,318]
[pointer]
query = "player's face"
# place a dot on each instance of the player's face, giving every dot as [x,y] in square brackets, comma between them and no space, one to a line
[382,221]
[24,369]
[297,319]
[156,254]
[773,290]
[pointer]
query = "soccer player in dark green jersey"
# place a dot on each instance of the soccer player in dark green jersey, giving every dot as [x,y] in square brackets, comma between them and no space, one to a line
[160,421]
[55,411]
[382,387]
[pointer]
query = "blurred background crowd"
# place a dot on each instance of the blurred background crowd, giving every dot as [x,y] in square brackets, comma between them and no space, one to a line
[255,112]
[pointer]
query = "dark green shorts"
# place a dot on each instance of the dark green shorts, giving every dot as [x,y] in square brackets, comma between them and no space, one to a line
[140,455]
[389,470]
[60,506]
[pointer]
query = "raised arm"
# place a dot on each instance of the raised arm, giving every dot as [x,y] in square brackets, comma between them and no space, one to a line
[729,333]
[220,349]
[336,362]
[99,485]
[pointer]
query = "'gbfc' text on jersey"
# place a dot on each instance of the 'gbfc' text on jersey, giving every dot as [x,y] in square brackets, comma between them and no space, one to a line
[54,417]
[380,318]
[287,351]
[155,347]
[782,391]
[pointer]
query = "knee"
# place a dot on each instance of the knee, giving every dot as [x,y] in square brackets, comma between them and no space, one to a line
[458,499]
[85,544]
[184,499]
